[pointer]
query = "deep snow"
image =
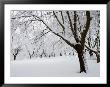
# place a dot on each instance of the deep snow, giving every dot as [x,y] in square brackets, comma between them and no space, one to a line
[53,67]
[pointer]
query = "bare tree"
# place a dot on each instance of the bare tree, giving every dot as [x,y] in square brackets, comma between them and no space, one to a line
[16,52]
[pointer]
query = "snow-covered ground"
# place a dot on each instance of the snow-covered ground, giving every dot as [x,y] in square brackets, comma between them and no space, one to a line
[53,67]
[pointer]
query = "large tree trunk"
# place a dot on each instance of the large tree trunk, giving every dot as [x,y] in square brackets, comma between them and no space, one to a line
[81,61]
[79,50]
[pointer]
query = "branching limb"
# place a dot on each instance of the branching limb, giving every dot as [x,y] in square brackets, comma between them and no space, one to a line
[62,17]
[70,22]
[68,42]
[84,33]
[59,21]
[90,49]
[74,31]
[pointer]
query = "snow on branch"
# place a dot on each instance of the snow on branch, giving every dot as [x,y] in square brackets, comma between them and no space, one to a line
[59,21]
[73,30]
[84,33]
[68,42]
[90,49]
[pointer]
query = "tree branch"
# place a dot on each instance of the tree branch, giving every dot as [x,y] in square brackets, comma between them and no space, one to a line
[90,49]
[62,16]
[68,42]
[74,31]
[40,36]
[70,22]
[84,33]
[39,19]
[59,21]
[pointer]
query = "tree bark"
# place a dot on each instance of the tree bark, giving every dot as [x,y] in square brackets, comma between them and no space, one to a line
[14,57]
[79,50]
[98,57]
[81,61]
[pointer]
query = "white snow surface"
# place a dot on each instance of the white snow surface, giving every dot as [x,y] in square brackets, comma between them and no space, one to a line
[62,66]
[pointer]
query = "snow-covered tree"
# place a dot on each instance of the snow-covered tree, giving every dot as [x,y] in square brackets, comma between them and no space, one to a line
[49,33]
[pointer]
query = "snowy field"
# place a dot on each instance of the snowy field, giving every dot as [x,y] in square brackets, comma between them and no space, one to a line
[53,67]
